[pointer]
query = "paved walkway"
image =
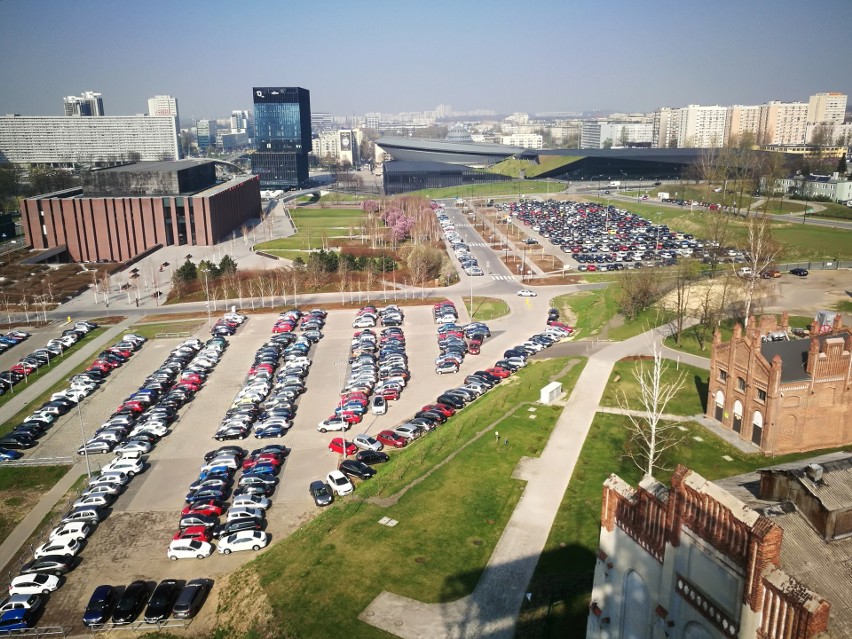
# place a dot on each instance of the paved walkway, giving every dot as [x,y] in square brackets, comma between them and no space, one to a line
[24,530]
[492,609]
[27,392]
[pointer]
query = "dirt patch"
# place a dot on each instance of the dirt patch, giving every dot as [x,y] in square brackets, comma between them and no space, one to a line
[246,607]
[14,506]
[109,319]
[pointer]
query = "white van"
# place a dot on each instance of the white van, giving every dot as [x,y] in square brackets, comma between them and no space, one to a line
[744,271]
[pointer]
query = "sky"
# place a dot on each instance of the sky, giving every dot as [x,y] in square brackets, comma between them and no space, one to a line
[402,55]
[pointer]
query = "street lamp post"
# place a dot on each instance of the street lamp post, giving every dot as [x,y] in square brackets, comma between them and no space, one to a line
[83,441]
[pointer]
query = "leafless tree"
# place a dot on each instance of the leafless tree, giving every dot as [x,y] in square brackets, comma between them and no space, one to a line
[760,250]
[342,279]
[650,434]
[639,290]
[684,276]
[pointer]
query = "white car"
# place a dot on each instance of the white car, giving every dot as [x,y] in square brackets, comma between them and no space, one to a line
[222,460]
[71,530]
[364,322]
[365,442]
[33,584]
[525,292]
[155,428]
[129,467]
[332,424]
[102,489]
[243,540]
[244,512]
[66,547]
[189,549]
[339,483]
[251,501]
[110,477]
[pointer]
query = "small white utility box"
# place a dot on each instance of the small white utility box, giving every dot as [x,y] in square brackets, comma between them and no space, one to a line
[550,393]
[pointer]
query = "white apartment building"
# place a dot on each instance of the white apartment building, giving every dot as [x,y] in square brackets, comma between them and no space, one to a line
[783,122]
[342,145]
[827,107]
[599,135]
[523,140]
[662,124]
[695,126]
[164,105]
[70,140]
[836,187]
[743,121]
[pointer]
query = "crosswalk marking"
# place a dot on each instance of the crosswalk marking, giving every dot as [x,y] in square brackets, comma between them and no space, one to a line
[483,244]
[504,277]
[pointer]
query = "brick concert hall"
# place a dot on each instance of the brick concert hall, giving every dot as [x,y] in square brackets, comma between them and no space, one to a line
[123,211]
[784,396]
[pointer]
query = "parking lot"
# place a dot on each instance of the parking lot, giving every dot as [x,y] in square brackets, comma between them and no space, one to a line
[131,543]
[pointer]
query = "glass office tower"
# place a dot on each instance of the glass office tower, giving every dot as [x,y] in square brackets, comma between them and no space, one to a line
[282,136]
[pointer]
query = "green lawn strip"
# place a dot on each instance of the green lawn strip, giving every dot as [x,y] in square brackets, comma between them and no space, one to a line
[799,241]
[513,167]
[592,309]
[564,574]
[830,210]
[515,187]
[20,489]
[688,401]
[339,198]
[689,342]
[844,306]
[448,525]
[653,316]
[34,377]
[486,308]
[151,330]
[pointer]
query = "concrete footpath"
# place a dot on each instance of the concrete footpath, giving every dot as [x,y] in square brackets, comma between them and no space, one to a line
[59,369]
[492,609]
[24,530]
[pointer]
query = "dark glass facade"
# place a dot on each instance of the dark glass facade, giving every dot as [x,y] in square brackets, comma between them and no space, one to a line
[405,177]
[282,136]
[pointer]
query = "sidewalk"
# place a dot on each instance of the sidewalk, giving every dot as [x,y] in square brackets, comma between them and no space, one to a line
[492,609]
[24,530]
[27,392]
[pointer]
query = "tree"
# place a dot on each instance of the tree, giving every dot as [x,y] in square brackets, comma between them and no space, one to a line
[685,275]
[711,306]
[424,263]
[227,265]
[650,434]
[607,144]
[639,290]
[186,273]
[760,250]
[841,165]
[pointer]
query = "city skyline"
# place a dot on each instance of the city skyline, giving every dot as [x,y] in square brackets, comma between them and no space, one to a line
[549,57]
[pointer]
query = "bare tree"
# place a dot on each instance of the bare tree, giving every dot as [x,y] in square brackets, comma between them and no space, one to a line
[342,279]
[684,276]
[639,290]
[760,250]
[711,307]
[650,434]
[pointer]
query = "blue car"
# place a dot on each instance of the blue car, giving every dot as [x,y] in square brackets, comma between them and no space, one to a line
[10,455]
[269,431]
[100,606]
[18,619]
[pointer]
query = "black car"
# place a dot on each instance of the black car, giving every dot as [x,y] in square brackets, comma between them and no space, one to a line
[800,272]
[355,468]
[236,451]
[372,457]
[16,442]
[162,600]
[238,525]
[259,489]
[51,564]
[191,598]
[131,602]
[278,449]
[451,400]
[100,606]
[432,416]
[321,493]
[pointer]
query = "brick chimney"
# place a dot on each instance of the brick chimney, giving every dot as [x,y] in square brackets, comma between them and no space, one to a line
[813,352]
[785,322]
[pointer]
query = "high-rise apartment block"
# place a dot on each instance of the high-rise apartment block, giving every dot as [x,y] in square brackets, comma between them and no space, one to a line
[783,123]
[240,122]
[827,108]
[205,133]
[341,145]
[601,135]
[161,105]
[87,104]
[282,141]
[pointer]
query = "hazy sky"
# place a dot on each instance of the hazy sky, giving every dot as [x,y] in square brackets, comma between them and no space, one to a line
[401,55]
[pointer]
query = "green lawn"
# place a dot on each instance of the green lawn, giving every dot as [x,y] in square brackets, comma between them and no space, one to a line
[690,400]
[448,525]
[486,308]
[830,210]
[20,490]
[800,241]
[565,572]
[844,306]
[151,330]
[689,342]
[515,187]
[592,309]
[315,227]
[34,377]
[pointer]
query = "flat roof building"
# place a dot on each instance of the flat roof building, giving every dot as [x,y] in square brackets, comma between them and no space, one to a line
[282,136]
[123,211]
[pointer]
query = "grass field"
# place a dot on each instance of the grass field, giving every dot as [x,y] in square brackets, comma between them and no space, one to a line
[151,330]
[690,400]
[515,187]
[486,308]
[448,525]
[593,309]
[799,241]
[830,210]
[20,490]
[844,307]
[34,377]
[315,228]
[564,575]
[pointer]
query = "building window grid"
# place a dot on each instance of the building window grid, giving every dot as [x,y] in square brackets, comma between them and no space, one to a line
[741,384]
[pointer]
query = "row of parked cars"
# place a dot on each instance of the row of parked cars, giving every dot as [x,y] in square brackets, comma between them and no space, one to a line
[12,338]
[454,340]
[468,262]
[131,431]
[227,325]
[368,316]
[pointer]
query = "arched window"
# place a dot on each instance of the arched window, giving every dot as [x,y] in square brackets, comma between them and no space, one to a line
[695,630]
[738,416]
[757,427]
[720,405]
[636,608]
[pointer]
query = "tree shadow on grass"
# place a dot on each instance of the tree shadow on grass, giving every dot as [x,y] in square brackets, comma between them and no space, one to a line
[702,386]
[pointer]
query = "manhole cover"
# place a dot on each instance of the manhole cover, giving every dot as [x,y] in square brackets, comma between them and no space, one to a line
[370,613]
[420,560]
[397,623]
[477,542]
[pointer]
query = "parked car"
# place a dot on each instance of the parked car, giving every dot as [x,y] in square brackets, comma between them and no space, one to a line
[354,468]
[100,606]
[799,272]
[244,540]
[339,483]
[130,603]
[33,583]
[372,457]
[321,493]
[191,598]
[162,600]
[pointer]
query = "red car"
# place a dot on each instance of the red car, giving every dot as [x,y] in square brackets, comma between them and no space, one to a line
[390,394]
[199,533]
[263,458]
[192,378]
[502,373]
[473,347]
[135,407]
[348,416]
[121,351]
[336,446]
[390,438]
[23,368]
[188,385]
[446,411]
[211,507]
